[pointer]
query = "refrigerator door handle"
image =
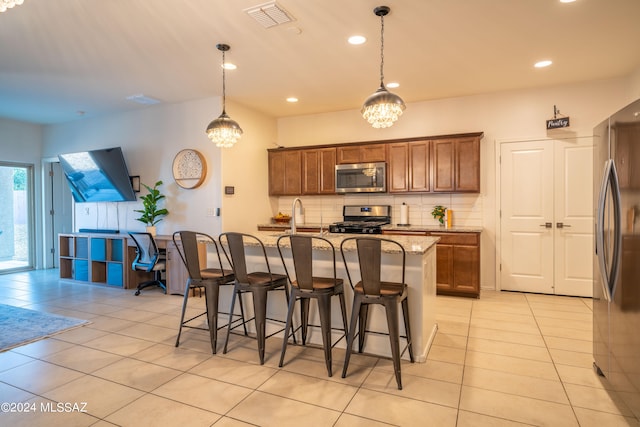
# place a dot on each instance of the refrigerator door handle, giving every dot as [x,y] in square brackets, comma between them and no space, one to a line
[609,278]
[604,273]
[617,221]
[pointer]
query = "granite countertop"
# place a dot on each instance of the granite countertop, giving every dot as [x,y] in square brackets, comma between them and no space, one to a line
[413,245]
[395,227]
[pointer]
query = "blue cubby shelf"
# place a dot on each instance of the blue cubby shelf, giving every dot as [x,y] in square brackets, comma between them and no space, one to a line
[98,249]
[114,274]
[81,270]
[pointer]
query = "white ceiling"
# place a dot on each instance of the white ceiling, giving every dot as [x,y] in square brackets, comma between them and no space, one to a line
[60,57]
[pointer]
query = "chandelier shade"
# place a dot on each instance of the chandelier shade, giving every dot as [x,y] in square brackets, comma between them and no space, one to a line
[8,4]
[224,131]
[383,108]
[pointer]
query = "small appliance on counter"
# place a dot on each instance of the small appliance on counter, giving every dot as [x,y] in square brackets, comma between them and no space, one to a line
[362,219]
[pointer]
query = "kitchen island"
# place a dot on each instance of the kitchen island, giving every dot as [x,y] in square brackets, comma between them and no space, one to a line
[420,277]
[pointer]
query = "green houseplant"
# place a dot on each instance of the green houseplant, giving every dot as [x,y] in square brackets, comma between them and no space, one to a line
[151,213]
[438,213]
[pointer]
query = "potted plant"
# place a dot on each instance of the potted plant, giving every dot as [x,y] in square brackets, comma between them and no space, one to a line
[151,213]
[438,213]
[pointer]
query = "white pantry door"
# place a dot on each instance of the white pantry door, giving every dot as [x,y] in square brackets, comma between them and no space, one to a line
[546,216]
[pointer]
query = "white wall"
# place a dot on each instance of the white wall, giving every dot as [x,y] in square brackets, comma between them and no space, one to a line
[150,138]
[21,143]
[503,116]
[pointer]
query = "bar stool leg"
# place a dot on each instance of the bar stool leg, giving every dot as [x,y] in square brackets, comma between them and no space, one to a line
[407,327]
[211,294]
[184,309]
[288,327]
[304,318]
[324,309]
[233,303]
[357,302]
[260,309]
[391,308]
[364,315]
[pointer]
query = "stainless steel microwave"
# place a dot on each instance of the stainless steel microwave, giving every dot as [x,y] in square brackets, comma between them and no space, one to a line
[361,178]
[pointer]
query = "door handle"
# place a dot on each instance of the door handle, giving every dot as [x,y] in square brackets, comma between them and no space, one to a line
[561,225]
[547,225]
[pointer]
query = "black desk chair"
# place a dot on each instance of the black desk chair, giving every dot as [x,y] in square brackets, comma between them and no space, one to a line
[306,286]
[257,283]
[372,290]
[148,259]
[200,277]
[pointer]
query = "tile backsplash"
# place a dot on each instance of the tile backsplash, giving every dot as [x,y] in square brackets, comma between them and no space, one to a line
[467,208]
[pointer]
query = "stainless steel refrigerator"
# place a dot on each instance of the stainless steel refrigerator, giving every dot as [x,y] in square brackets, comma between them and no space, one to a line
[616,278]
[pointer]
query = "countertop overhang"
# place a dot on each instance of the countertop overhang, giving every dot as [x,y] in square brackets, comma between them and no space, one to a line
[413,245]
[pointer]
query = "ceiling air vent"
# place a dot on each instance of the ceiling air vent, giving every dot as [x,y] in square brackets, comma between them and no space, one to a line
[269,14]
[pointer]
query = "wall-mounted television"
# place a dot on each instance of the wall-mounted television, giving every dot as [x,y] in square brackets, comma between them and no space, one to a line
[98,176]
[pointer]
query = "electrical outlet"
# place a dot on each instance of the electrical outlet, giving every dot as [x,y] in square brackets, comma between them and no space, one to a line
[211,212]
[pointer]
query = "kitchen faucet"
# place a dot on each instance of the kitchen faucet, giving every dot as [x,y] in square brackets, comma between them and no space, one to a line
[293,214]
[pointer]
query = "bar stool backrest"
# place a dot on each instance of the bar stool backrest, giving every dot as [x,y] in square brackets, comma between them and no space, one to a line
[370,261]
[302,254]
[236,243]
[187,246]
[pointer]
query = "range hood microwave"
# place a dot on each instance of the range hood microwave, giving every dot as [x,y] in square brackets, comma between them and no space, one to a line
[361,178]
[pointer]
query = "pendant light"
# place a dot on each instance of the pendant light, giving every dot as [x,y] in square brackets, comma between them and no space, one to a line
[224,131]
[382,108]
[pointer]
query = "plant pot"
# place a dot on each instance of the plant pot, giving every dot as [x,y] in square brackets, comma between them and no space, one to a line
[151,229]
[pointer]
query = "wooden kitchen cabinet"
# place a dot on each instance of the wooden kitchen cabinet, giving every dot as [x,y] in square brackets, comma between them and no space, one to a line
[285,172]
[319,171]
[458,263]
[455,165]
[408,167]
[361,153]
[177,274]
[457,260]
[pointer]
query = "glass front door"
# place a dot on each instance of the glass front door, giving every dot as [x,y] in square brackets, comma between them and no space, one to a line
[16,217]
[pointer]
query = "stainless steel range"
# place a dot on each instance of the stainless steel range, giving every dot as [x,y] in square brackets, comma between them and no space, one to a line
[362,219]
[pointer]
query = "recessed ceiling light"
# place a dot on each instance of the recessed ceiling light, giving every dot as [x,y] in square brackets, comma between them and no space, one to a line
[542,64]
[567,1]
[292,99]
[393,85]
[229,66]
[357,39]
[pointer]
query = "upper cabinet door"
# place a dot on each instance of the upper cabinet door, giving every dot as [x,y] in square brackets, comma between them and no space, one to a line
[467,165]
[455,165]
[408,167]
[285,173]
[419,166]
[443,165]
[318,171]
[398,167]
[361,153]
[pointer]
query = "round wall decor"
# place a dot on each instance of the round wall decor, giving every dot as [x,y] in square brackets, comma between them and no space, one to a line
[189,168]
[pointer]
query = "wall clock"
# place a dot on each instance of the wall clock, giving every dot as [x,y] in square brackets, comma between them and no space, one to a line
[189,168]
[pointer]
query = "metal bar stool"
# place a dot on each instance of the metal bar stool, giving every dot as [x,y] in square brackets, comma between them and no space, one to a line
[187,244]
[258,283]
[307,286]
[372,290]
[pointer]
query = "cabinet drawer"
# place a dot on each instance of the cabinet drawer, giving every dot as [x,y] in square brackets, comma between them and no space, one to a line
[405,232]
[470,239]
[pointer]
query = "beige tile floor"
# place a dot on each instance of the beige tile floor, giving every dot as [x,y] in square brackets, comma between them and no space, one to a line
[505,359]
